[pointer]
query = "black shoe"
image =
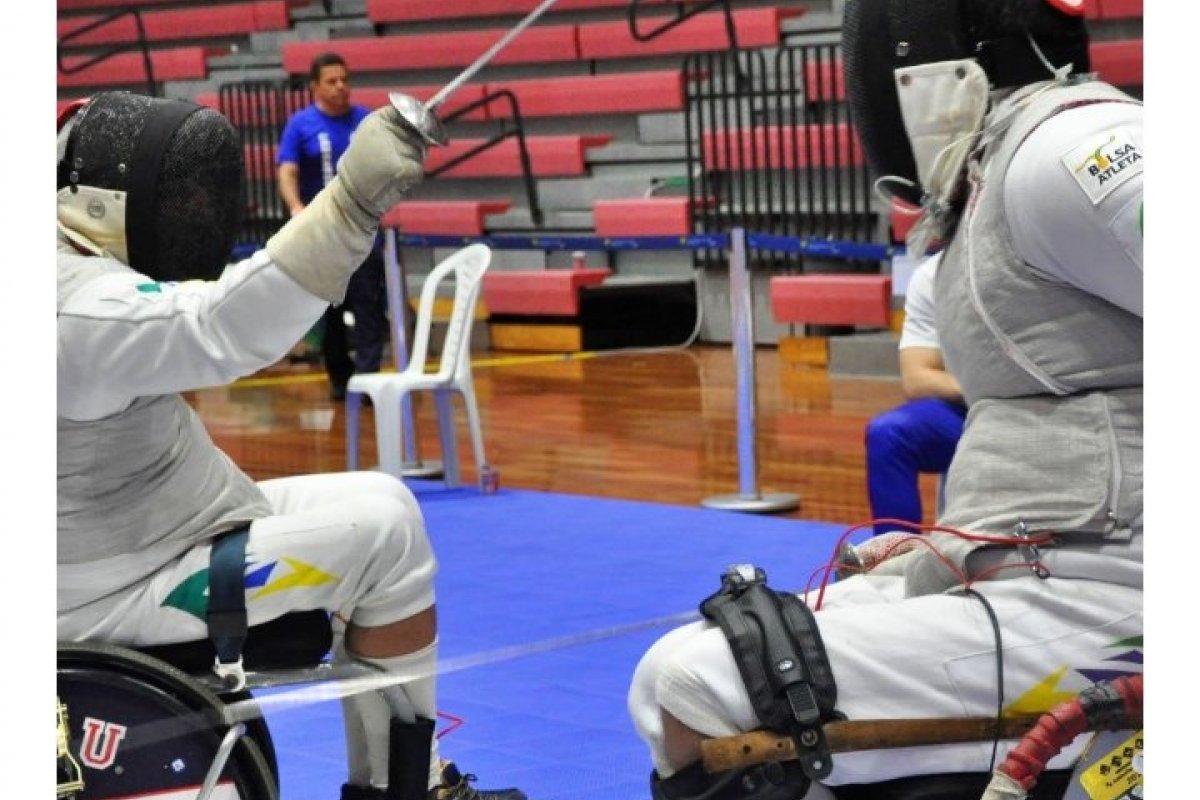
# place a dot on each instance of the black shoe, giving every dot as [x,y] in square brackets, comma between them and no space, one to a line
[456,786]
[352,792]
[337,394]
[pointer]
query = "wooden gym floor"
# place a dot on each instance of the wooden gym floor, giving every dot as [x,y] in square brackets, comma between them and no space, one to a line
[657,426]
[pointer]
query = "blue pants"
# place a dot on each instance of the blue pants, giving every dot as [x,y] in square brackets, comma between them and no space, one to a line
[366,297]
[919,436]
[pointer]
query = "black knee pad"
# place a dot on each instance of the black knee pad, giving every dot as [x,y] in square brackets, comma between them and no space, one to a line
[776,780]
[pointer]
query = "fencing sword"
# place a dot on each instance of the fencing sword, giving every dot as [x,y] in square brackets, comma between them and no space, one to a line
[421,117]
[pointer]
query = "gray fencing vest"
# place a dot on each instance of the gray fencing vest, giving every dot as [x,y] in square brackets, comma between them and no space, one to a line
[139,488]
[1053,378]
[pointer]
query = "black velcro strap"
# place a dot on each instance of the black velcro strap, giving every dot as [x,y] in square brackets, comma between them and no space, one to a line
[227,594]
[142,185]
[781,658]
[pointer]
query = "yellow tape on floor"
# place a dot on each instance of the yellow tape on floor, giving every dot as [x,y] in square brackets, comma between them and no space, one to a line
[479,363]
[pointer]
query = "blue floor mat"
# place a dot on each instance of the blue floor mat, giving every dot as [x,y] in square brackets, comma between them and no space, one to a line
[553,593]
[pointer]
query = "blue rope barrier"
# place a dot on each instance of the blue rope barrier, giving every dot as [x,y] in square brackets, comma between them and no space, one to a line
[716,241]
[824,248]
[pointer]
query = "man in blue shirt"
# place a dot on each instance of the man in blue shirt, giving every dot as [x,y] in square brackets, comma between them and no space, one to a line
[922,434]
[312,142]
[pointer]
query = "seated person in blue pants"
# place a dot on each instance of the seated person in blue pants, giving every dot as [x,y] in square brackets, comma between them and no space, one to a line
[920,435]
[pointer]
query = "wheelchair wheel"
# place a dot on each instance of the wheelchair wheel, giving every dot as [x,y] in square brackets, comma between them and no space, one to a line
[136,726]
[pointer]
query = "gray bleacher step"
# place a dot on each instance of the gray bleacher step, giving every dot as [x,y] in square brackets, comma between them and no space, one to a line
[661,128]
[717,325]
[870,354]
[246,58]
[582,193]
[330,30]
[626,152]
[336,8]
[811,23]
[509,189]
[573,222]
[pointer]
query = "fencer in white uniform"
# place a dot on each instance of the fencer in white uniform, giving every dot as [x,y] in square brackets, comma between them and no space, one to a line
[148,206]
[1032,178]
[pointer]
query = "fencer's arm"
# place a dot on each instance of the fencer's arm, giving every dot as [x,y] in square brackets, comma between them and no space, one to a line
[123,336]
[923,374]
[1076,217]
[322,245]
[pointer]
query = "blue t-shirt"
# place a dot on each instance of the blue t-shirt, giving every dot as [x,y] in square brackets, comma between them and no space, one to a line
[314,141]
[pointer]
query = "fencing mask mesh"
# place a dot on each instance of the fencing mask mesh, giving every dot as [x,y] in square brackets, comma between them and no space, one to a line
[180,168]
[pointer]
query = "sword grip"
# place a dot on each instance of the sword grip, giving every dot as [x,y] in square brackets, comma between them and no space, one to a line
[757,747]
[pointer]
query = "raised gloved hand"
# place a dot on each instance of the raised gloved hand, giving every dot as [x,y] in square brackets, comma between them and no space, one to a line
[325,243]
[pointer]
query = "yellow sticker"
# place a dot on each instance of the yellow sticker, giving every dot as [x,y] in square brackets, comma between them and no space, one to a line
[1118,773]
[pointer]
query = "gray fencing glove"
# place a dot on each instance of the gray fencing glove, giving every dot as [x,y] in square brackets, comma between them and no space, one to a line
[325,243]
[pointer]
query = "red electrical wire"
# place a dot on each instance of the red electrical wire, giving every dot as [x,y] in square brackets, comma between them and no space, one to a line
[918,537]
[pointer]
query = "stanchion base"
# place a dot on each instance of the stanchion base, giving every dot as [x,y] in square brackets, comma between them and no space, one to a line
[422,469]
[754,504]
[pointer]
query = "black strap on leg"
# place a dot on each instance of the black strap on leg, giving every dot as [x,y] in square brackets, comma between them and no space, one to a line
[409,745]
[781,658]
[227,604]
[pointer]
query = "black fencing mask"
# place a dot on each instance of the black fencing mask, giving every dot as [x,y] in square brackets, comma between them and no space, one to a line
[156,183]
[1016,42]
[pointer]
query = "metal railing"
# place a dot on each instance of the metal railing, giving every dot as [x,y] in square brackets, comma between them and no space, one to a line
[516,130]
[259,110]
[683,12]
[770,148]
[142,44]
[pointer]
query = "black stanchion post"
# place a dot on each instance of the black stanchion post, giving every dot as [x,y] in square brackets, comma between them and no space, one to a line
[741,303]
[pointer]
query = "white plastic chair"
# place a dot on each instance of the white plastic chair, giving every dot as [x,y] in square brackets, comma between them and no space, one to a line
[389,390]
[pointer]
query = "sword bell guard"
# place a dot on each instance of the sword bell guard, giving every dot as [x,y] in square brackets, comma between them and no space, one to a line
[416,116]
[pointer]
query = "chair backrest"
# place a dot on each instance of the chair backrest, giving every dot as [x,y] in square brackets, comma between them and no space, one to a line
[467,266]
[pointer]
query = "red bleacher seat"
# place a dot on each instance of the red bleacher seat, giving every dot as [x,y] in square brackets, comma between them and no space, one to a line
[182,23]
[1115,9]
[384,11]
[377,97]
[549,156]
[538,44]
[802,146]
[832,299]
[627,93]
[66,7]
[69,6]
[437,217]
[643,216]
[124,69]
[549,292]
[1118,62]
[756,27]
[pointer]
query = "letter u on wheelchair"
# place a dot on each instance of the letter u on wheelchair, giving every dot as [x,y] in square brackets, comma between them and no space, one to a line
[158,722]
